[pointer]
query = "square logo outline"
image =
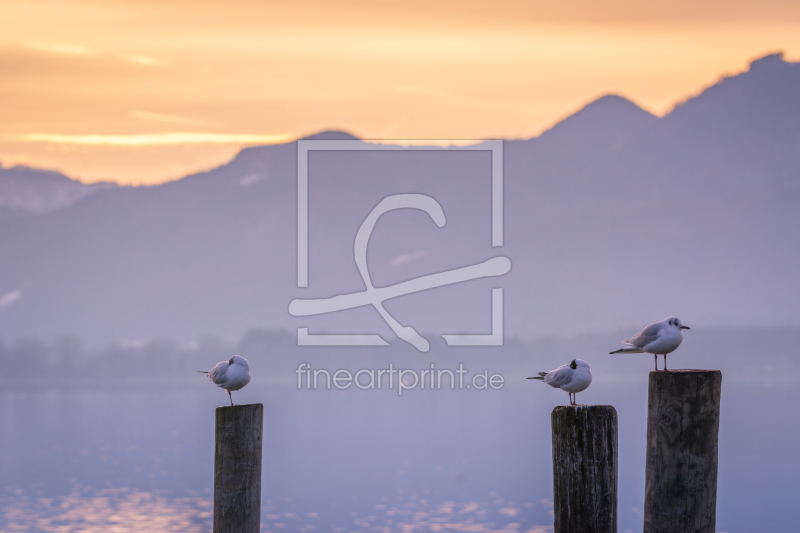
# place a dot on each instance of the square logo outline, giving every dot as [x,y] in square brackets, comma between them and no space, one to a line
[495,147]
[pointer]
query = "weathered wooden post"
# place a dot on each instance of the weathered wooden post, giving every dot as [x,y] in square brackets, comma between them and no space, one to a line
[682,428]
[237,469]
[585,469]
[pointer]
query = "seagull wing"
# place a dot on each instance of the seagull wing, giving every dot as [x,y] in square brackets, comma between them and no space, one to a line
[646,336]
[559,377]
[217,374]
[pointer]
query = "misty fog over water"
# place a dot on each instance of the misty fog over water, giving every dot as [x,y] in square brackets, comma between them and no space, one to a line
[79,443]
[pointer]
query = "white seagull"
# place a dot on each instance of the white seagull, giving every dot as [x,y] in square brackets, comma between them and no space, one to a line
[660,338]
[230,375]
[573,378]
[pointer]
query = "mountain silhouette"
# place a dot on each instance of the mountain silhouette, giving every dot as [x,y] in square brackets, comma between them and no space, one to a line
[613,218]
[39,191]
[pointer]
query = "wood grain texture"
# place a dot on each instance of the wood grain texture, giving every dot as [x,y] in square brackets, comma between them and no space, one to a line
[682,431]
[237,469]
[585,469]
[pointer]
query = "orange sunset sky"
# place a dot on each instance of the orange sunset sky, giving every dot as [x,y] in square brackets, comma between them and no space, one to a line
[145,91]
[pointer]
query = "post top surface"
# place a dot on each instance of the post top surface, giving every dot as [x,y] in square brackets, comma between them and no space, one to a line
[245,406]
[685,373]
[588,407]
[681,371]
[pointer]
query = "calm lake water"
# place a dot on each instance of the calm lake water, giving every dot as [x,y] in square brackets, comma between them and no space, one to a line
[139,456]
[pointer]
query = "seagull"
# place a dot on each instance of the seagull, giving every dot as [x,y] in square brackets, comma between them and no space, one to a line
[660,338]
[230,375]
[573,378]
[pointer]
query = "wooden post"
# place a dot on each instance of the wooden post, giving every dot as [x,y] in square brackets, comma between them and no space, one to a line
[585,469]
[237,469]
[682,429]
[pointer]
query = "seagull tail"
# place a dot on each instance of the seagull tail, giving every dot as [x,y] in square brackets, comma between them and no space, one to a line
[537,377]
[632,349]
[540,376]
[202,371]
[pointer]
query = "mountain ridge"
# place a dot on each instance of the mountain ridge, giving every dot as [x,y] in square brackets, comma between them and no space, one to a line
[691,214]
[605,107]
[40,190]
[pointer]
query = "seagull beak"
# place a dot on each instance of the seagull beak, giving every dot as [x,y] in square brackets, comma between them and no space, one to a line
[685,327]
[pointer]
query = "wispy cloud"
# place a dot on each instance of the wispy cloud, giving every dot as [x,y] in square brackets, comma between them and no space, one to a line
[171,119]
[141,60]
[60,49]
[9,298]
[150,139]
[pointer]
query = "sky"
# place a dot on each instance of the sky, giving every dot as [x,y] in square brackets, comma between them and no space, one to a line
[142,91]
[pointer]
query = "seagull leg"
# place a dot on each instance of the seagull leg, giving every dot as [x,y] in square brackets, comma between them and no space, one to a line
[231,397]
[656,356]
[665,362]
